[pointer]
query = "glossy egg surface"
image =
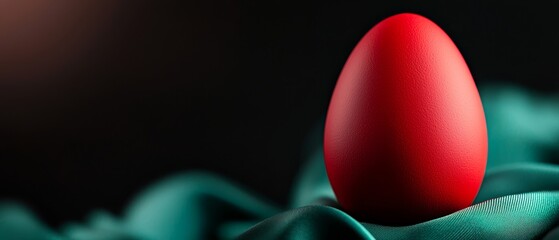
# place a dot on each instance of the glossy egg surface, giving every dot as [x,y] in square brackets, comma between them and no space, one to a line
[405,138]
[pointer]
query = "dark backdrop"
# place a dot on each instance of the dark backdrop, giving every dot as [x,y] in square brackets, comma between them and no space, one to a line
[100,98]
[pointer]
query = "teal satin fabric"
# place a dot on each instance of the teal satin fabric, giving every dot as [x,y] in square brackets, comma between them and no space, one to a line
[519,197]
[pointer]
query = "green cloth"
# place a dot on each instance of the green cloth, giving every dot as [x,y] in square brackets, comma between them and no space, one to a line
[519,197]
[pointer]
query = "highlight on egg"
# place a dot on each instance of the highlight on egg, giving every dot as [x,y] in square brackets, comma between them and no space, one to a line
[405,139]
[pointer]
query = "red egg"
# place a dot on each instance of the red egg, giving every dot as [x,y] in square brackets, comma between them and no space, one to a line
[405,138]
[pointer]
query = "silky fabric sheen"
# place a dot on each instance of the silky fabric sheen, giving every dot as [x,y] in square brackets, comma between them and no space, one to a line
[518,199]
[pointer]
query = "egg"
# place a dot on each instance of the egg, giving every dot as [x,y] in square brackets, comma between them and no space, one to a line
[405,139]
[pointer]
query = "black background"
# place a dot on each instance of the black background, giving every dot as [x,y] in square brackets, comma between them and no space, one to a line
[230,87]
